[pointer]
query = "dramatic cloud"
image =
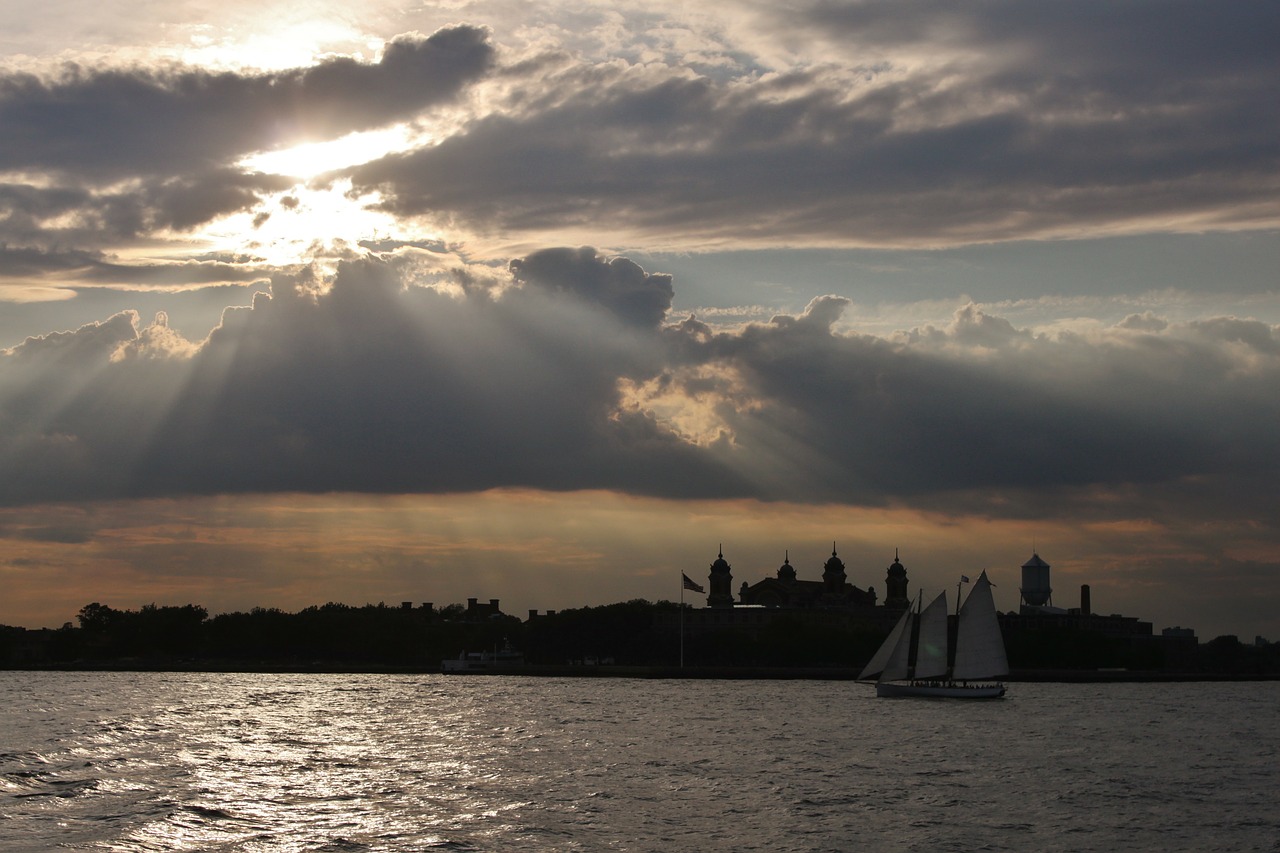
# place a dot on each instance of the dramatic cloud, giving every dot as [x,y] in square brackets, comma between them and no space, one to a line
[1089,47]
[361,385]
[1017,133]
[99,157]
[93,268]
[167,123]
[619,285]
[372,382]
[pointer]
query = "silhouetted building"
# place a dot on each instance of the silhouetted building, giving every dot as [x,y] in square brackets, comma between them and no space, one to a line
[777,611]
[477,612]
[1037,611]
[832,592]
[1114,625]
[895,585]
[1036,589]
[720,583]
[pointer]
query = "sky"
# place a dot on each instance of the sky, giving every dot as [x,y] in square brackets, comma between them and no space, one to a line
[306,302]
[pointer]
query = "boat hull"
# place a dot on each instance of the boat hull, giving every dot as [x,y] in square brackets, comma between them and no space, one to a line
[503,661]
[938,690]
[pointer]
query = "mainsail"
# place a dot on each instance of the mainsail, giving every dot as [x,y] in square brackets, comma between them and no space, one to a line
[979,646]
[931,651]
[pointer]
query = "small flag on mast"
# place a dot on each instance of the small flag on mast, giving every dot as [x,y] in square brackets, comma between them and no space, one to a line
[688,584]
[964,579]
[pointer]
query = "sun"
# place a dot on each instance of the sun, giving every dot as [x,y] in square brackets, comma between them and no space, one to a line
[301,224]
[311,218]
[310,159]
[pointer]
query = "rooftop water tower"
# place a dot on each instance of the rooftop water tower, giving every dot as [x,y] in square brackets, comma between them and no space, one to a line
[1036,590]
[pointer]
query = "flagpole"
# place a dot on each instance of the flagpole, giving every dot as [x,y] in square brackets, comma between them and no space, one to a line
[685,583]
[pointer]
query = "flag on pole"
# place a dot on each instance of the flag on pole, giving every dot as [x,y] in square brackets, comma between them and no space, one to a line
[688,584]
[964,579]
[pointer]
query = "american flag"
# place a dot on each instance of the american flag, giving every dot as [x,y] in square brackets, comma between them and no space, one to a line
[688,584]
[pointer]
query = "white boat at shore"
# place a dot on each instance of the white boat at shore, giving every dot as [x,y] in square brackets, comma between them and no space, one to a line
[979,653]
[499,659]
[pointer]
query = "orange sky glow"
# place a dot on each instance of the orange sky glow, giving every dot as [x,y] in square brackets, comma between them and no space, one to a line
[531,550]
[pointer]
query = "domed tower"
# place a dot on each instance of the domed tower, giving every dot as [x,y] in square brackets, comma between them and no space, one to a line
[1036,590]
[833,576]
[720,583]
[895,585]
[786,573]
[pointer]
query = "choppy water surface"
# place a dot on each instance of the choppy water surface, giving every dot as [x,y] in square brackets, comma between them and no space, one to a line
[139,762]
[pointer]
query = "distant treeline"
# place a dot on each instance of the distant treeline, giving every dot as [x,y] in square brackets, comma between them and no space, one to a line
[635,633]
[341,634]
[632,633]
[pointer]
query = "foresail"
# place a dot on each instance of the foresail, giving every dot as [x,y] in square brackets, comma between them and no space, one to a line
[931,653]
[881,659]
[898,667]
[979,646]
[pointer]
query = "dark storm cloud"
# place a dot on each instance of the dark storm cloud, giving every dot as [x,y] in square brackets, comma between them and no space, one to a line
[82,349]
[182,203]
[565,382]
[1032,128]
[28,262]
[95,268]
[366,386]
[89,217]
[117,123]
[981,405]
[1137,48]
[619,284]
[121,154]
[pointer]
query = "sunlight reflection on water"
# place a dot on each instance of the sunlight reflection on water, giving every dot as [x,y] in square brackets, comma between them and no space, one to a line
[142,762]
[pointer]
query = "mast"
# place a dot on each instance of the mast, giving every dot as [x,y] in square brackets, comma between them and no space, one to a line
[955,637]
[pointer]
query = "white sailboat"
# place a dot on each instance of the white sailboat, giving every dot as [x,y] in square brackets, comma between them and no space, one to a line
[979,654]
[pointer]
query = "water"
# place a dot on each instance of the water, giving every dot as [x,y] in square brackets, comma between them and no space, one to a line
[142,762]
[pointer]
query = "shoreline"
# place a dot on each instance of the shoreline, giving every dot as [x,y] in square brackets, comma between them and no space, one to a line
[759,673]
